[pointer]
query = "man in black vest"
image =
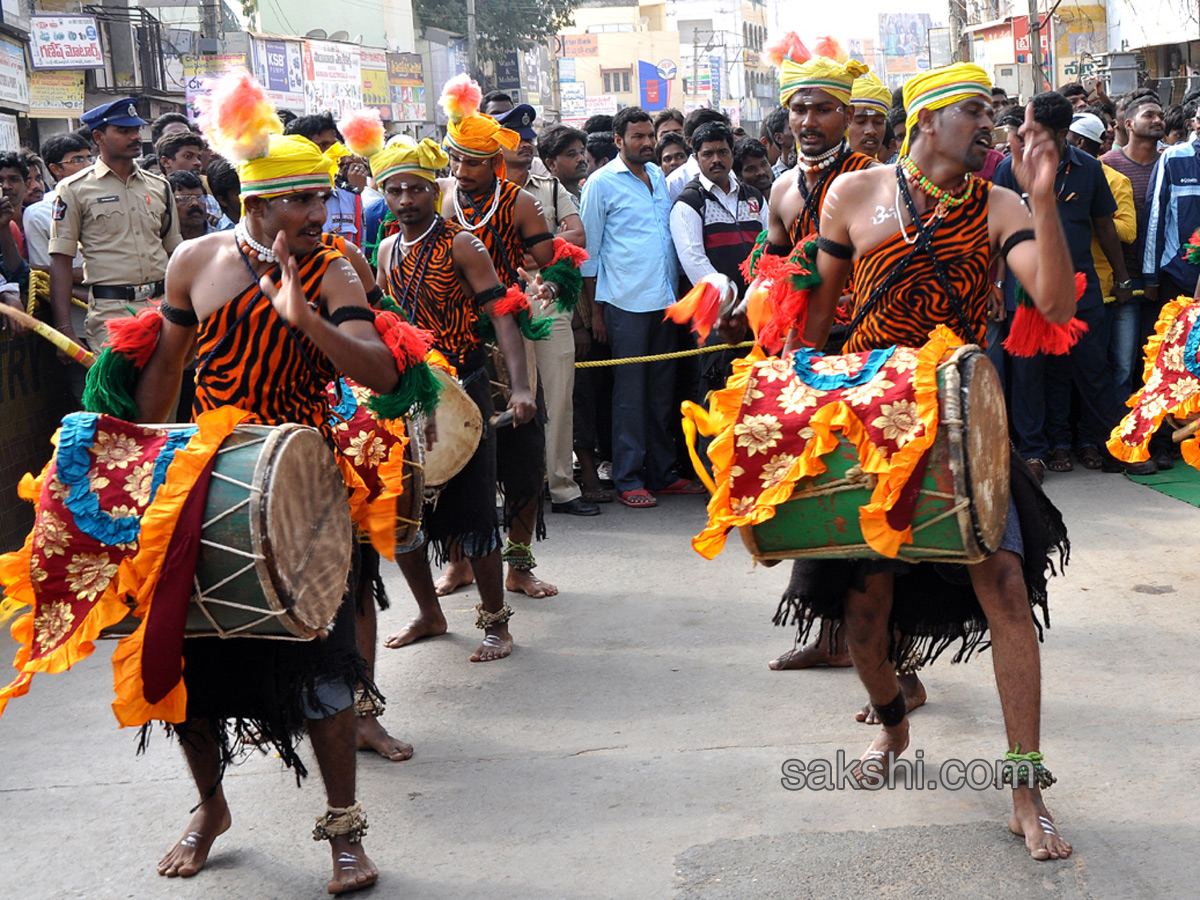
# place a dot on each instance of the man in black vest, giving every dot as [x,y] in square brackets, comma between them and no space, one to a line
[714,223]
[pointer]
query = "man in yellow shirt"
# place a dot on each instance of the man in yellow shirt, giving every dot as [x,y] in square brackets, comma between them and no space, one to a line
[1087,134]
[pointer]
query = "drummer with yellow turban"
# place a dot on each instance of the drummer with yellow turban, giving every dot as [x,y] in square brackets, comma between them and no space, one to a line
[869,101]
[921,237]
[273,316]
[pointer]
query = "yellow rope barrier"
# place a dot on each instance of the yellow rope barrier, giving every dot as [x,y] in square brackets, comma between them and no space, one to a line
[677,354]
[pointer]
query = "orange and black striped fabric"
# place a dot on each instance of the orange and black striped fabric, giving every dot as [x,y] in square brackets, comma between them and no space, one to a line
[500,235]
[249,358]
[334,242]
[916,302]
[428,289]
[809,220]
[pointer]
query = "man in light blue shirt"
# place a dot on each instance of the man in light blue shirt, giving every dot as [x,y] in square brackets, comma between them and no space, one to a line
[632,273]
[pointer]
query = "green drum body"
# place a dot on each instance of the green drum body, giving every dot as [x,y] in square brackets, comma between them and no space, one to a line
[276,543]
[961,507]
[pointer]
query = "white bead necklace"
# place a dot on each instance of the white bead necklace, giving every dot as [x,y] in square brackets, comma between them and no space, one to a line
[458,211]
[263,254]
[818,163]
[408,245]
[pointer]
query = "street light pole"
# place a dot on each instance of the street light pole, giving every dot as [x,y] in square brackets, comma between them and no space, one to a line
[472,41]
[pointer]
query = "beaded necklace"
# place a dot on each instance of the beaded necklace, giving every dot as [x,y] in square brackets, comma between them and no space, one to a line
[462,220]
[945,199]
[252,247]
[817,163]
[408,245]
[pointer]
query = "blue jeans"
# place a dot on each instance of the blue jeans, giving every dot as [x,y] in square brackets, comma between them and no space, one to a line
[1124,341]
[643,399]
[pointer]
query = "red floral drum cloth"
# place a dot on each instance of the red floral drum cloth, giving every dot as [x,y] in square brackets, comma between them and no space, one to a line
[1172,385]
[777,418]
[107,504]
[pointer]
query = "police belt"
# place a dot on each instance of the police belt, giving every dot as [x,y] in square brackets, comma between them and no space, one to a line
[128,291]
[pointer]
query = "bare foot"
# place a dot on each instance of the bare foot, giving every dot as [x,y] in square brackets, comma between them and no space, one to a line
[188,856]
[811,655]
[520,581]
[1032,821]
[455,575]
[872,769]
[497,644]
[352,868]
[422,626]
[914,696]
[373,736]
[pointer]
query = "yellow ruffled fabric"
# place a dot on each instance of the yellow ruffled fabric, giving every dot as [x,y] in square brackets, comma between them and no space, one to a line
[380,516]
[893,474]
[1139,452]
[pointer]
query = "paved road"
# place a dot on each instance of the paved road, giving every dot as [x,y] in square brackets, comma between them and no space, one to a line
[631,747]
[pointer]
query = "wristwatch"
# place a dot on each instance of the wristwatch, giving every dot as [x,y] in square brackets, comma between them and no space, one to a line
[1124,285]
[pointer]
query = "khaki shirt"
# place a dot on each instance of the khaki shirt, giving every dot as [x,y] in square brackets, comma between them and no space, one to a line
[125,230]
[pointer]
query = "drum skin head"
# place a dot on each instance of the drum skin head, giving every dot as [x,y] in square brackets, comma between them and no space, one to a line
[305,526]
[986,442]
[459,429]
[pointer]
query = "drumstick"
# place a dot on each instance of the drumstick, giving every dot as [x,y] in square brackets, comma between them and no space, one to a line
[1182,434]
[59,340]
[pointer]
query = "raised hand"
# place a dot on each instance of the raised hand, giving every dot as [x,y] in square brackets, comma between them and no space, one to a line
[536,289]
[288,299]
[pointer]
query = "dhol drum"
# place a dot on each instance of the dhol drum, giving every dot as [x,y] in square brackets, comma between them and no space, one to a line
[367,443]
[275,549]
[459,429]
[959,508]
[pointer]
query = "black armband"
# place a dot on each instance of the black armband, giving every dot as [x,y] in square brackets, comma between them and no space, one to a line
[351,314]
[537,239]
[1017,237]
[774,249]
[176,316]
[492,293]
[375,296]
[834,249]
[892,714]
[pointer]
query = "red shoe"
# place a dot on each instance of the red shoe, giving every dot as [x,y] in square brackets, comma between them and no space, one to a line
[639,499]
[683,486]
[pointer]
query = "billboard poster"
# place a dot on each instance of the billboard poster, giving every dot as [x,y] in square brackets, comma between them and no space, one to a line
[14,84]
[332,78]
[376,89]
[406,77]
[508,72]
[655,90]
[904,39]
[198,69]
[56,95]
[64,42]
[279,68]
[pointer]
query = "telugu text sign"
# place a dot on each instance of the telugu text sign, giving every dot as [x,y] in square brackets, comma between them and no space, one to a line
[55,95]
[64,42]
[332,78]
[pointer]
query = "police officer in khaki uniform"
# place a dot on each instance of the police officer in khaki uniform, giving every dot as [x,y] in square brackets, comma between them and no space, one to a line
[121,217]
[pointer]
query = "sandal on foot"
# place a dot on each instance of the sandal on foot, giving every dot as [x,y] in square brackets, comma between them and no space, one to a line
[683,486]
[1060,461]
[639,499]
[1091,458]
